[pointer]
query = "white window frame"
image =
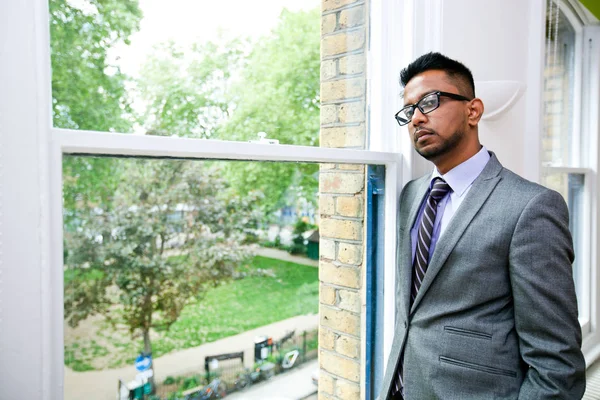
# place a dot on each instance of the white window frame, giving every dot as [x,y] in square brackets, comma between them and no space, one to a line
[393,44]
[34,366]
[585,161]
[590,130]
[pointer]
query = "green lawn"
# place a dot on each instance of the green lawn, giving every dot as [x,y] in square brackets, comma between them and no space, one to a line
[235,307]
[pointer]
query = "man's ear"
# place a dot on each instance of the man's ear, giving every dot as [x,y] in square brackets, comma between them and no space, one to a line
[475,111]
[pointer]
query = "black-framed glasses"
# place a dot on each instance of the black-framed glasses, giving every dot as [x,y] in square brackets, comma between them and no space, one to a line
[427,104]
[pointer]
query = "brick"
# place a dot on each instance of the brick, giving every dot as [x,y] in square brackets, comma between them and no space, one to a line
[326,166]
[341,182]
[340,320]
[554,107]
[342,276]
[328,23]
[349,207]
[352,112]
[345,136]
[352,167]
[342,42]
[327,294]
[341,229]
[553,95]
[350,253]
[329,114]
[327,249]
[347,390]
[327,338]
[348,346]
[326,205]
[352,17]
[342,367]
[326,383]
[343,89]
[328,69]
[353,64]
[327,5]
[349,300]
[553,83]
[323,396]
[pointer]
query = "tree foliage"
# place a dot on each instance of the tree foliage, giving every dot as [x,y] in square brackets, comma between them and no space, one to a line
[170,231]
[144,237]
[278,90]
[185,89]
[88,92]
[223,91]
[278,93]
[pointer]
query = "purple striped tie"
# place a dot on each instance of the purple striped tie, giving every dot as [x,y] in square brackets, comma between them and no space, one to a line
[438,191]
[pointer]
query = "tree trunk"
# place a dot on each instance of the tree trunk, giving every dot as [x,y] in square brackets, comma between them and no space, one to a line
[148,350]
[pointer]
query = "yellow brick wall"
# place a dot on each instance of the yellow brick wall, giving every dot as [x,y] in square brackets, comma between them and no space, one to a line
[341,201]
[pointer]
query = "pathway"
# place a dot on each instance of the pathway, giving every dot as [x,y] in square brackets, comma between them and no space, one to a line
[102,385]
[292,385]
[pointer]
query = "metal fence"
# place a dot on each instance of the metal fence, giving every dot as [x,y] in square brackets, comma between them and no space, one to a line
[235,371]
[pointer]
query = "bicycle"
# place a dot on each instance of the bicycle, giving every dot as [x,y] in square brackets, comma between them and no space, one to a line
[216,389]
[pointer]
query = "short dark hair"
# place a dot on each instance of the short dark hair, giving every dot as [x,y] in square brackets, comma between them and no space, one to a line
[435,61]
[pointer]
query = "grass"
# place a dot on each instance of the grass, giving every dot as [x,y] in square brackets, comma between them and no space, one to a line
[227,310]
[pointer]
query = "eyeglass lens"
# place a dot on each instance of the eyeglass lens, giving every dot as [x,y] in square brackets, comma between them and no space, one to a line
[427,104]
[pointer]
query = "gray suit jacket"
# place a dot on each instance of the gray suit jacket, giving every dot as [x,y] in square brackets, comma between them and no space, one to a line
[496,315]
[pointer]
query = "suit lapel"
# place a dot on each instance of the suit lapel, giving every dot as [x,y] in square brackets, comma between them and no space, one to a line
[479,192]
[409,210]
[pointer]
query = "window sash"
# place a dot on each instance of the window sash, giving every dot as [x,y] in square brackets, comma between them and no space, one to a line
[590,126]
[584,160]
[585,256]
[99,143]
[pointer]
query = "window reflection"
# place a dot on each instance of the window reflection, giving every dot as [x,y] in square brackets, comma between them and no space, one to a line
[559,82]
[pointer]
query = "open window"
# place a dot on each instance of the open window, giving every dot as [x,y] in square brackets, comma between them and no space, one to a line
[569,153]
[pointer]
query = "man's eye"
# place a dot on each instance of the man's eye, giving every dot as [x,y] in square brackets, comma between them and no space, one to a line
[428,102]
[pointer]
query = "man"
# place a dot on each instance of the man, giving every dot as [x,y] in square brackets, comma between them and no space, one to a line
[486,305]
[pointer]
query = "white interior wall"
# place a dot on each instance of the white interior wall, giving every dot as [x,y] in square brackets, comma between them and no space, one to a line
[503,43]
[500,41]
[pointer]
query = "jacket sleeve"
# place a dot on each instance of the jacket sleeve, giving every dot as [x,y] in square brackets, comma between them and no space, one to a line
[545,304]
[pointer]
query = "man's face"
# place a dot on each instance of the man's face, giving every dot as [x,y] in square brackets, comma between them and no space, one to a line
[440,133]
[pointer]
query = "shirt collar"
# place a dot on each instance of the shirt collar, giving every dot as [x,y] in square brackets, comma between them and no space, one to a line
[462,176]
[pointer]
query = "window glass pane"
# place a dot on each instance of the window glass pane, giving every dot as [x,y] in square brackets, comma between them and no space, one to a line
[571,187]
[559,80]
[224,70]
[199,263]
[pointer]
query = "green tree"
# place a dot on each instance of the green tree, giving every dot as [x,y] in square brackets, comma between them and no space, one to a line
[185,89]
[171,230]
[88,92]
[278,93]
[223,91]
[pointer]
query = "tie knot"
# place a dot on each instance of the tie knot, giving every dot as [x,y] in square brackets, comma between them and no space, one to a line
[439,189]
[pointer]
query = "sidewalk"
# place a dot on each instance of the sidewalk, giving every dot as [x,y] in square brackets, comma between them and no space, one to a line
[285,256]
[102,385]
[292,385]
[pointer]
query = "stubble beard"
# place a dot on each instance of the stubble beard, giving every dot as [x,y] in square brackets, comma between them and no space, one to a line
[446,146]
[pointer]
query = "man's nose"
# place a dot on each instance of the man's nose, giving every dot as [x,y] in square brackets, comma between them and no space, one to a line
[418,117]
